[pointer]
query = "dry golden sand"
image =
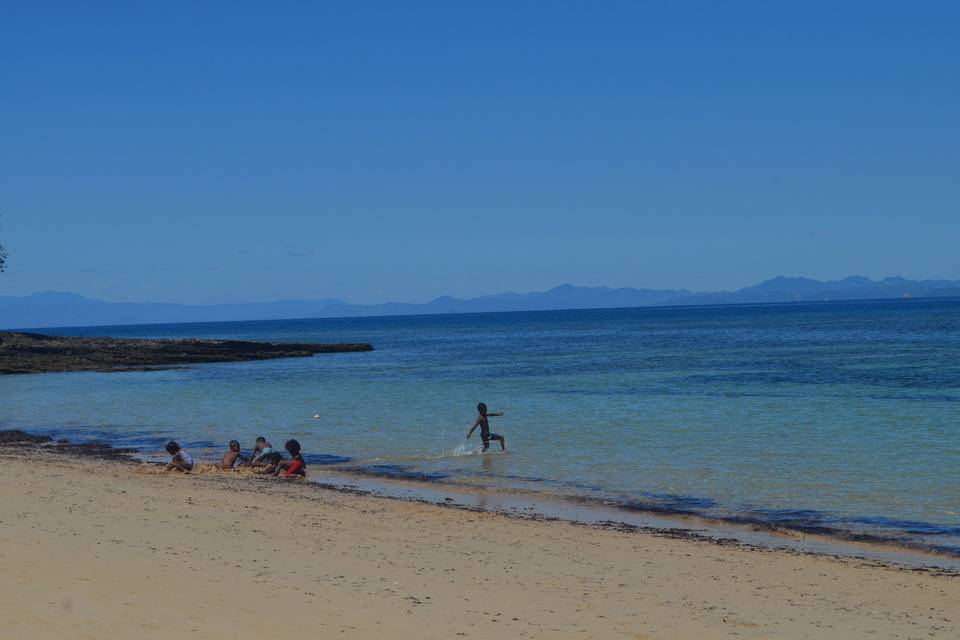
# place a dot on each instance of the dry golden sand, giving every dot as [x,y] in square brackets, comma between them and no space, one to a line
[100,551]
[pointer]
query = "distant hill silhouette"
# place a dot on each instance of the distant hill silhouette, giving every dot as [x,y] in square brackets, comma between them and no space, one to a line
[54,309]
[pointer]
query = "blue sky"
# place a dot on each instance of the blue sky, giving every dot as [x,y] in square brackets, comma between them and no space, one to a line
[211,152]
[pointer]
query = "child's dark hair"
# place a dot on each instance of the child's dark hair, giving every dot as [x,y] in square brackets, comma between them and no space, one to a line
[261,439]
[275,457]
[172,448]
[234,442]
[292,447]
[482,408]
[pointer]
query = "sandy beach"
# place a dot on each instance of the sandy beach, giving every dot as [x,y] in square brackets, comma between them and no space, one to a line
[103,550]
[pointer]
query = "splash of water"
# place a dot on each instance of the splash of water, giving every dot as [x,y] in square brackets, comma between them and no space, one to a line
[447,449]
[463,449]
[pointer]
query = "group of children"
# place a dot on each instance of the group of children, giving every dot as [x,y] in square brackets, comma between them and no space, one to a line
[263,459]
[267,461]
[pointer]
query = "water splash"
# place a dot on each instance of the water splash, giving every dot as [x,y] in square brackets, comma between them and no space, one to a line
[463,449]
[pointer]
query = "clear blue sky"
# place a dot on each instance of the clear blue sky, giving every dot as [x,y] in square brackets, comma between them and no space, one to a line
[210,152]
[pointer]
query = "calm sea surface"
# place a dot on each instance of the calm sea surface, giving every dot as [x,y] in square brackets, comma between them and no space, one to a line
[840,415]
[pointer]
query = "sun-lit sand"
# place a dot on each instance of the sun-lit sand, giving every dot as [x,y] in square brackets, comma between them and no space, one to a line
[106,550]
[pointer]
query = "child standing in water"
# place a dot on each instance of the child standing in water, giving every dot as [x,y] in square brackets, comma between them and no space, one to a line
[484,425]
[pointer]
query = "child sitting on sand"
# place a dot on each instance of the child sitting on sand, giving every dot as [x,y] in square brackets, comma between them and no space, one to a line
[296,467]
[271,465]
[262,451]
[181,460]
[484,425]
[232,457]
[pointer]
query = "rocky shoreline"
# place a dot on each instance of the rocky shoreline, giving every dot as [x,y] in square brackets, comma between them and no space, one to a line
[16,440]
[38,353]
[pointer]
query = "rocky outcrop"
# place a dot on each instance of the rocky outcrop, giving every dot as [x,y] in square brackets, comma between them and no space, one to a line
[20,437]
[36,353]
[20,443]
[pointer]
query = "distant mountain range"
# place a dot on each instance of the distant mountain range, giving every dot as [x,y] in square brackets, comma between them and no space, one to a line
[54,309]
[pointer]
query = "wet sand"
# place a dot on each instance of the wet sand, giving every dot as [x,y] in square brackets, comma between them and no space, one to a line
[93,549]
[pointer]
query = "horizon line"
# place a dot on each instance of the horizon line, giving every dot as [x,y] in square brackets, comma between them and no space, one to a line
[342,302]
[716,305]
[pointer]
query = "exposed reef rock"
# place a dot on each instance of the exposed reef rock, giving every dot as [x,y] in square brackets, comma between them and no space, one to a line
[36,353]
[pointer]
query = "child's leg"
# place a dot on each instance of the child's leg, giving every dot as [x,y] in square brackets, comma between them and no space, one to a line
[486,445]
[503,443]
[283,465]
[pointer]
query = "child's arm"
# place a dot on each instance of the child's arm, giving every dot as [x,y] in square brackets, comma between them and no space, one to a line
[475,425]
[498,413]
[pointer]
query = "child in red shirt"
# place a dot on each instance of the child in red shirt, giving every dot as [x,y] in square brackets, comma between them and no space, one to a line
[296,467]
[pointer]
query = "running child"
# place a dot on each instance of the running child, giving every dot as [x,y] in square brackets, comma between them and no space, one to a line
[484,425]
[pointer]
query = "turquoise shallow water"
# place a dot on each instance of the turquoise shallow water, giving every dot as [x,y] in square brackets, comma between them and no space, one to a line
[841,416]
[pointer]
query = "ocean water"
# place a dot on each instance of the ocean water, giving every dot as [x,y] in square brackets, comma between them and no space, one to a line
[835,416]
